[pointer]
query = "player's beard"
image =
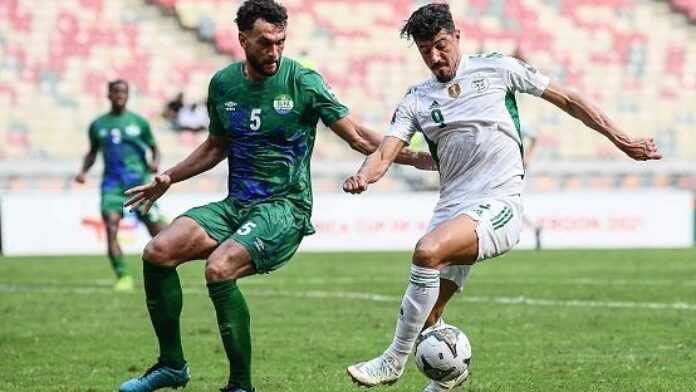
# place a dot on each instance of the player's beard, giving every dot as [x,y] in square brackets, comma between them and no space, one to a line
[443,77]
[258,66]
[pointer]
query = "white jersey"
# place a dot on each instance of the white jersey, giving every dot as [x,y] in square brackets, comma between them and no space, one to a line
[472,126]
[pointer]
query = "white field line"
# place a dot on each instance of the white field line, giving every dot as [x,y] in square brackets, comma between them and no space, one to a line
[477,280]
[104,289]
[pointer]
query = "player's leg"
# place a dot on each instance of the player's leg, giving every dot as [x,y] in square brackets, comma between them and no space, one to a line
[536,228]
[112,211]
[153,220]
[447,290]
[498,230]
[266,239]
[111,221]
[181,241]
[452,241]
[228,263]
[184,240]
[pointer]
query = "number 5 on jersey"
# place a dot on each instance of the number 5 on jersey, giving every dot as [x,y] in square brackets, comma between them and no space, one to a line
[246,228]
[255,120]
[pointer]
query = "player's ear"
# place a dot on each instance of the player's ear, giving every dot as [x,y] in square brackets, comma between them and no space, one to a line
[457,34]
[243,40]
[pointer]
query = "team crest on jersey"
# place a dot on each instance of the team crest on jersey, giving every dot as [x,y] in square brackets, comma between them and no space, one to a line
[454,90]
[479,84]
[283,104]
[132,130]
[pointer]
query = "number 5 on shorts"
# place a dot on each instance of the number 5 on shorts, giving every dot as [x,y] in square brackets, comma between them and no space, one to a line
[246,228]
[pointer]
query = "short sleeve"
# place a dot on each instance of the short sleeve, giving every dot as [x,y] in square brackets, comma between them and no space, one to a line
[403,123]
[93,136]
[215,127]
[148,137]
[322,99]
[522,77]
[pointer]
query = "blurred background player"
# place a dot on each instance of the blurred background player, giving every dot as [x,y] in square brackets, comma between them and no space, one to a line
[263,113]
[529,144]
[123,137]
[468,115]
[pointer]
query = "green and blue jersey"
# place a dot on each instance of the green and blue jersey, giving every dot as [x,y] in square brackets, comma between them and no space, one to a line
[123,140]
[270,128]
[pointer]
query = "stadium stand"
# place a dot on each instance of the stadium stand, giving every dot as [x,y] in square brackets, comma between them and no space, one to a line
[687,7]
[644,79]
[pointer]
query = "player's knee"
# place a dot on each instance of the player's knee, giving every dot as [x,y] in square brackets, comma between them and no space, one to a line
[425,254]
[155,252]
[217,271]
[230,265]
[111,228]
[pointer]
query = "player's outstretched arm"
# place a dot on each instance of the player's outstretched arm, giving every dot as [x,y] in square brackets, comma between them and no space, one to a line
[203,158]
[640,149]
[366,141]
[87,164]
[156,159]
[375,165]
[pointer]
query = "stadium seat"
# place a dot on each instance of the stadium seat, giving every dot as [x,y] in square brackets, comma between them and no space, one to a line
[60,56]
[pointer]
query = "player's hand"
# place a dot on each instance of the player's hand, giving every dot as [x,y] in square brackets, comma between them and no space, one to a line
[355,184]
[146,195]
[80,178]
[425,161]
[641,149]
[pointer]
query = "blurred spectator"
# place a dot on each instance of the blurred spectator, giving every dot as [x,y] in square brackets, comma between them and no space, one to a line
[173,107]
[192,118]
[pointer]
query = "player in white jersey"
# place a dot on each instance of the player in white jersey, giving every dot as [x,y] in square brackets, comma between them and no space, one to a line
[468,115]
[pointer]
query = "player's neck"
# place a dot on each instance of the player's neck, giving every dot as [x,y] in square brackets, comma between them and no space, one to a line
[251,74]
[117,111]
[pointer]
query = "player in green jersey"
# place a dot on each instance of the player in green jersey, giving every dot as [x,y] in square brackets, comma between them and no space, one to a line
[263,116]
[123,137]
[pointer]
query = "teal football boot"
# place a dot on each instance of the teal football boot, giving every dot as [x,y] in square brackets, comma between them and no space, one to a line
[157,377]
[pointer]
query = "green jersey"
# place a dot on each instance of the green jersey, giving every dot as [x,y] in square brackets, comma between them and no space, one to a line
[270,128]
[123,140]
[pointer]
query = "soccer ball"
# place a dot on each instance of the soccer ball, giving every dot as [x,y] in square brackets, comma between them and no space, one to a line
[443,353]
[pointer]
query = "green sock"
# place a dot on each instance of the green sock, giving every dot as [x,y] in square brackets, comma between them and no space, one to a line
[119,265]
[233,321]
[164,302]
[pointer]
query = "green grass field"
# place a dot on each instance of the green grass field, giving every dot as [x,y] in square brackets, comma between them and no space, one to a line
[538,321]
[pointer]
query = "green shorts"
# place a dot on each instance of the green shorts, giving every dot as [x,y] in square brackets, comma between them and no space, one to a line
[112,200]
[271,231]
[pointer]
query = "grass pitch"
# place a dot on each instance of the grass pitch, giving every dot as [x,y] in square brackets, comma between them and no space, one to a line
[538,321]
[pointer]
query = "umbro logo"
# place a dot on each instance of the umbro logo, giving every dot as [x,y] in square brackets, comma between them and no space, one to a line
[434,105]
[230,106]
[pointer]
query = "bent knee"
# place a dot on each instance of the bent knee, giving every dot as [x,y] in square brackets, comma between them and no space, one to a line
[156,252]
[216,271]
[426,254]
[229,265]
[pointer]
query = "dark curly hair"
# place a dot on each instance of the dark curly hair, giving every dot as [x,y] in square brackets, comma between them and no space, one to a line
[427,21]
[268,10]
[110,86]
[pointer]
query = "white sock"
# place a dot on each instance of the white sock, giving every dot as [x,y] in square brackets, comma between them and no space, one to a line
[419,299]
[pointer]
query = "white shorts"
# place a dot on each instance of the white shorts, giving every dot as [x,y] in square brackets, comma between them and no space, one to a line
[499,226]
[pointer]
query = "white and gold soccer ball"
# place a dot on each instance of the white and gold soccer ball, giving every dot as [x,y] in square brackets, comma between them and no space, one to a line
[443,353]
